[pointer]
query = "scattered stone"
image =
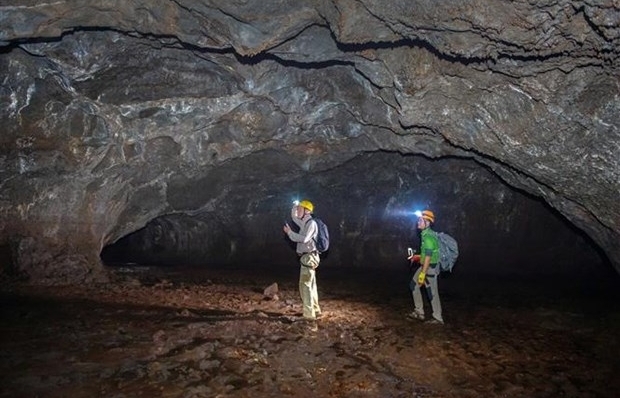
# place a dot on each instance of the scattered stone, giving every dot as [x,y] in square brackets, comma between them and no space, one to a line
[271,292]
[122,343]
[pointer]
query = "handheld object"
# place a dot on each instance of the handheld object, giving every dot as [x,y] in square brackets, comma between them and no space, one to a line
[421,278]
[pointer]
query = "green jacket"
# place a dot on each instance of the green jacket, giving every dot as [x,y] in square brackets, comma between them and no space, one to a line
[429,246]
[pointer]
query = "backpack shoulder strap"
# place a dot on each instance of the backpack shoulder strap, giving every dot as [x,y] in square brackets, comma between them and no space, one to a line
[316,234]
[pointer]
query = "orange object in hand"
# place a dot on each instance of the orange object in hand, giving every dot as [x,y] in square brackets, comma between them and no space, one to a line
[415,258]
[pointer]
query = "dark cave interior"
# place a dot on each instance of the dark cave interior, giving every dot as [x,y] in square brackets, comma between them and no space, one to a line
[368,204]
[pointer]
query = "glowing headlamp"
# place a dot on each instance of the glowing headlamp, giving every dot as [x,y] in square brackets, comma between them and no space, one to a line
[296,202]
[418,213]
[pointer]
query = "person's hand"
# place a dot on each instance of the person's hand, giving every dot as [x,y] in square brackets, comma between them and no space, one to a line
[421,278]
[414,258]
[286,228]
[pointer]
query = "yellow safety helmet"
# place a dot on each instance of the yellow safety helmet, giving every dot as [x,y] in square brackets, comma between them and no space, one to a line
[306,204]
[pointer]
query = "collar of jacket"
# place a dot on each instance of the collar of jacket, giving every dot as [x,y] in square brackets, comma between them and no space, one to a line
[427,230]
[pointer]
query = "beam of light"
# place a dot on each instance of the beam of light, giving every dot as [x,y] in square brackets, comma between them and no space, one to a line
[401,213]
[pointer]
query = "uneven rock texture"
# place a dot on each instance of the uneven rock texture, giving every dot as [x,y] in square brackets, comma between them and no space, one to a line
[115,113]
[200,333]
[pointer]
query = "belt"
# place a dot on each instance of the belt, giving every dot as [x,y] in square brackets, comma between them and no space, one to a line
[312,252]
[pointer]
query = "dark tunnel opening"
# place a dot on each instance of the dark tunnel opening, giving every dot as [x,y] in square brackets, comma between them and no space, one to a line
[368,207]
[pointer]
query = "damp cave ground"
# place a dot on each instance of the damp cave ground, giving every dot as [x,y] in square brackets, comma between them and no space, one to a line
[191,332]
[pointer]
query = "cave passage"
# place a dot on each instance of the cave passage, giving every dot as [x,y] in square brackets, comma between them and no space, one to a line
[368,205]
[167,141]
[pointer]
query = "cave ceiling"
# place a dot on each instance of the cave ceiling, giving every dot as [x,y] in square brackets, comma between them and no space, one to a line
[117,112]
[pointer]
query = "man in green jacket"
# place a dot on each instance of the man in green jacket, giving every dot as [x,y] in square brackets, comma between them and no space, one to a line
[428,272]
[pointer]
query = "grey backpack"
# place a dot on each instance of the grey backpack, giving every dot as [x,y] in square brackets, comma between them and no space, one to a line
[448,251]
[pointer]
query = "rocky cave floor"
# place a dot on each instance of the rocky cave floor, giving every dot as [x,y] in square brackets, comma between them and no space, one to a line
[164,332]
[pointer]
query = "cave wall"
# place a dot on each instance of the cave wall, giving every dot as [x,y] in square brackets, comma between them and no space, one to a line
[109,110]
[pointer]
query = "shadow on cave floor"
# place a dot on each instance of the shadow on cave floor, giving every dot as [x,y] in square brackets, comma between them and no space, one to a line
[190,332]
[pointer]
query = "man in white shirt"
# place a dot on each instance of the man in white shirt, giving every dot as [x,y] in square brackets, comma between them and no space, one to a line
[309,259]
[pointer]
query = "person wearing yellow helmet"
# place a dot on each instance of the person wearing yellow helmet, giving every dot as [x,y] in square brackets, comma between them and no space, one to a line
[309,258]
[428,272]
[306,204]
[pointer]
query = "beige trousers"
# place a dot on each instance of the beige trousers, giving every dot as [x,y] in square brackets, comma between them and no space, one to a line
[307,285]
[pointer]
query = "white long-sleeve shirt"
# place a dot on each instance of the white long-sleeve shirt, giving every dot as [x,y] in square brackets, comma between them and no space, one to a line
[308,231]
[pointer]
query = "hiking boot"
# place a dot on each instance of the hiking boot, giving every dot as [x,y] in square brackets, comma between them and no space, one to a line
[313,326]
[309,324]
[434,321]
[415,315]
